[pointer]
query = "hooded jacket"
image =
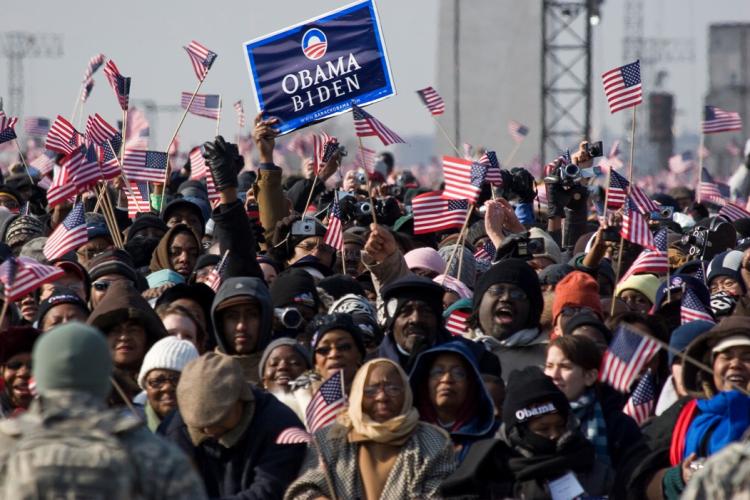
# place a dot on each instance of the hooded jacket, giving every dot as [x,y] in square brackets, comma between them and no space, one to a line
[249,288]
[480,423]
[160,259]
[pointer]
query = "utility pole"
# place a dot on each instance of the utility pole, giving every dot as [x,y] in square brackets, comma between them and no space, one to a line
[18,46]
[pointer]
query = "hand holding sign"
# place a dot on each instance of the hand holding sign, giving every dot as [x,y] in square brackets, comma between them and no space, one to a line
[264,136]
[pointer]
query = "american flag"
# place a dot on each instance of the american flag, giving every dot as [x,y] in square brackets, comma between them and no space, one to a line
[62,188]
[734,212]
[63,137]
[140,203]
[201,58]
[138,131]
[517,131]
[433,213]
[618,187]
[717,120]
[485,252]
[635,227]
[622,86]
[334,236]
[240,113]
[293,435]
[625,357]
[45,162]
[35,125]
[86,88]
[700,274]
[68,236]
[145,166]
[88,81]
[432,100]
[108,161]
[711,191]
[493,176]
[216,274]
[120,84]
[366,159]
[22,275]
[329,401]
[85,169]
[206,105]
[456,322]
[367,125]
[692,309]
[7,127]
[651,261]
[641,402]
[463,178]
[323,147]
[99,131]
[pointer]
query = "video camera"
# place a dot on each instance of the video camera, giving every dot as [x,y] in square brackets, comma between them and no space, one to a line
[520,246]
[570,174]
[387,210]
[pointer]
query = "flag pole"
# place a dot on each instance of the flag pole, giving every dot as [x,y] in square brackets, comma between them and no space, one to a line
[218,118]
[124,131]
[23,160]
[606,193]
[458,241]
[309,197]
[513,152]
[369,183]
[447,137]
[4,310]
[700,168]
[122,173]
[169,144]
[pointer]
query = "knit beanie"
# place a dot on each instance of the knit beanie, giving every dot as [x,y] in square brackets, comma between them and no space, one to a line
[283,341]
[294,286]
[552,275]
[465,260]
[34,249]
[115,261]
[59,296]
[682,282]
[363,314]
[425,258]
[73,356]
[530,393]
[338,285]
[209,386]
[647,284]
[324,323]
[169,353]
[24,228]
[516,272]
[726,264]
[401,291]
[145,221]
[578,289]
[682,336]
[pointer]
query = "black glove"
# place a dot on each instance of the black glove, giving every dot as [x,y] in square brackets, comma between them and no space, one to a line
[557,199]
[523,184]
[224,161]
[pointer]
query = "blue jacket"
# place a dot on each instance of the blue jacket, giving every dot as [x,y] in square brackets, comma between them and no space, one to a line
[482,424]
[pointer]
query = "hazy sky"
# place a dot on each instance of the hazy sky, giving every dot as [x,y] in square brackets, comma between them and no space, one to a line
[145,39]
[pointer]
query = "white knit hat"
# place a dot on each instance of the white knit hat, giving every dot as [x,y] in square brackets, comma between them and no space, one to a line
[169,353]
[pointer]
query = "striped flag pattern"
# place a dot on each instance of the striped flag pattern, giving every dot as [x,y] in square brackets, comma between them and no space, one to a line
[617,191]
[206,105]
[625,358]
[216,275]
[733,212]
[366,159]
[7,127]
[84,167]
[120,84]
[45,162]
[323,146]
[463,178]
[367,125]
[293,435]
[334,236]
[68,236]
[635,227]
[711,191]
[99,131]
[622,86]
[138,131]
[328,401]
[63,137]
[641,403]
[692,309]
[456,322]
[62,188]
[201,58]
[651,261]
[240,113]
[432,100]
[37,126]
[493,176]
[88,78]
[145,166]
[717,120]
[433,213]
[485,252]
[517,131]
[22,275]
[140,202]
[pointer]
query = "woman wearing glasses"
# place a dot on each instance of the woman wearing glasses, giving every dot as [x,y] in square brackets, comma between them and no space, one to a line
[378,448]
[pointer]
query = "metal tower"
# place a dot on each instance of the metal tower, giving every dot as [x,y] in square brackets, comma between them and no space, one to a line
[17,46]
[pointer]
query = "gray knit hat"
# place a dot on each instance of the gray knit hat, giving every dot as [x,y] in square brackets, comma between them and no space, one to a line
[278,343]
[169,353]
[24,228]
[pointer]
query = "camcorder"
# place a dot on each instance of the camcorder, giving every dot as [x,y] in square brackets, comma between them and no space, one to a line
[706,242]
[521,246]
[570,174]
[386,209]
[663,214]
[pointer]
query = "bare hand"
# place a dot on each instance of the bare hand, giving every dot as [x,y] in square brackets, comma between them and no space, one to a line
[264,136]
[581,157]
[510,219]
[381,244]
[331,165]
[494,220]
[687,472]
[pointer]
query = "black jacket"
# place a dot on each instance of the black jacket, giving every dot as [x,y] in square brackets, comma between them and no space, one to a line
[233,231]
[256,467]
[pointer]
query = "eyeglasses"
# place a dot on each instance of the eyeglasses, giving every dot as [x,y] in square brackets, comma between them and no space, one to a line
[162,380]
[512,292]
[457,374]
[390,390]
[326,350]
[17,364]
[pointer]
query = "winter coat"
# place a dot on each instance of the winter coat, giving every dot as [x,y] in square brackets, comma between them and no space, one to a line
[251,288]
[300,191]
[480,424]
[272,204]
[424,461]
[524,348]
[623,434]
[233,231]
[160,258]
[255,468]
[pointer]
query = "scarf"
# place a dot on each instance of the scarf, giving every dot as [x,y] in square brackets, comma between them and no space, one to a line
[589,413]
[152,419]
[520,338]
[723,420]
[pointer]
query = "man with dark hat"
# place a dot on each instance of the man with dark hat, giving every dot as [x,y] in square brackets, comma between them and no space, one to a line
[508,304]
[107,268]
[62,306]
[414,319]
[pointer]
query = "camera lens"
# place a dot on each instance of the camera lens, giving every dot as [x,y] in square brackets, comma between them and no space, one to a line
[572,170]
[289,317]
[364,207]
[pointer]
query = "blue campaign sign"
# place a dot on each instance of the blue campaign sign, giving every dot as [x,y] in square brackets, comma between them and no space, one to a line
[314,70]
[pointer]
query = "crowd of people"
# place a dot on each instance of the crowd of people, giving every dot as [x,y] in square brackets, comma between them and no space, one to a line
[196,353]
